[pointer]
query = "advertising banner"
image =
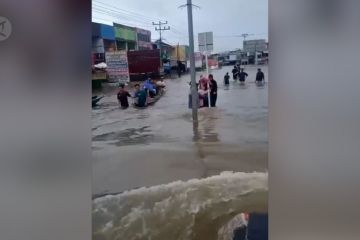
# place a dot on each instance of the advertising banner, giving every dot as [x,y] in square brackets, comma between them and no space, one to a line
[117,66]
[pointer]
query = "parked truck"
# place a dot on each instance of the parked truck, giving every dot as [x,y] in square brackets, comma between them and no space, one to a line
[142,63]
[180,53]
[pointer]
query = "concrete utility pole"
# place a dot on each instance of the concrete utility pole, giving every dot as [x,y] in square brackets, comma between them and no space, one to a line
[194,92]
[161,29]
[244,35]
[256,55]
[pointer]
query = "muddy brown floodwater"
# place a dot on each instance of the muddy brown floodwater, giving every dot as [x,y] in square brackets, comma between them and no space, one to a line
[174,180]
[133,148]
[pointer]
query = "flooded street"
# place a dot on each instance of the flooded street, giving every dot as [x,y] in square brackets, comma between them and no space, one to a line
[175,181]
[134,148]
[198,209]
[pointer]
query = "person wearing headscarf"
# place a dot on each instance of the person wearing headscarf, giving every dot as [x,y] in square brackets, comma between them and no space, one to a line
[203,83]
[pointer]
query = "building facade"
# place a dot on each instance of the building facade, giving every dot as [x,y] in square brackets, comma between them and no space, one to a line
[256,51]
[252,46]
[166,50]
[126,37]
[103,40]
[143,39]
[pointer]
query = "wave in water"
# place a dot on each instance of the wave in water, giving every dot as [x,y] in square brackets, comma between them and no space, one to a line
[195,209]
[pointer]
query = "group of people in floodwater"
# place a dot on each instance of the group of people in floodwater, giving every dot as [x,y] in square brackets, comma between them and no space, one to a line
[205,87]
[150,89]
[239,73]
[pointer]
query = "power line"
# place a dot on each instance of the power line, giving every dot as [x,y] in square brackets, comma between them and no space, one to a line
[118,16]
[131,14]
[128,17]
[112,20]
[126,11]
[104,19]
[166,41]
[179,32]
[244,36]
[176,35]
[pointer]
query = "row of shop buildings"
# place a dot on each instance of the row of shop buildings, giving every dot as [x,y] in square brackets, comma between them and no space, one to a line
[107,38]
[142,56]
[120,37]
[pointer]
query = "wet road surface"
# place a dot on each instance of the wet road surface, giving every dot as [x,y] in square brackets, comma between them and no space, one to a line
[134,148]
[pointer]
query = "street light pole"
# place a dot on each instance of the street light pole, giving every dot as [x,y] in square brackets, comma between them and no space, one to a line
[194,92]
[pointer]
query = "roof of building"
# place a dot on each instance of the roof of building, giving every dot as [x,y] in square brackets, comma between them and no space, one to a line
[163,44]
[102,31]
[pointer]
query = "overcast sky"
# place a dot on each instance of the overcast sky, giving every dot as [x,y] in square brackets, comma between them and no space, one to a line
[225,18]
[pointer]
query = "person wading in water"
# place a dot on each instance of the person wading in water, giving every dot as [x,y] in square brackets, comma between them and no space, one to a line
[242,76]
[260,77]
[122,96]
[235,73]
[213,91]
[227,79]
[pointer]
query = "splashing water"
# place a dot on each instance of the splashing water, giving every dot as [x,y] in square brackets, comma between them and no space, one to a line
[226,232]
[195,209]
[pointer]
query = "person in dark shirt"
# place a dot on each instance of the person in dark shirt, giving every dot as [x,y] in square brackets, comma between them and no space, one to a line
[260,77]
[213,91]
[242,76]
[122,96]
[238,67]
[235,73]
[226,79]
